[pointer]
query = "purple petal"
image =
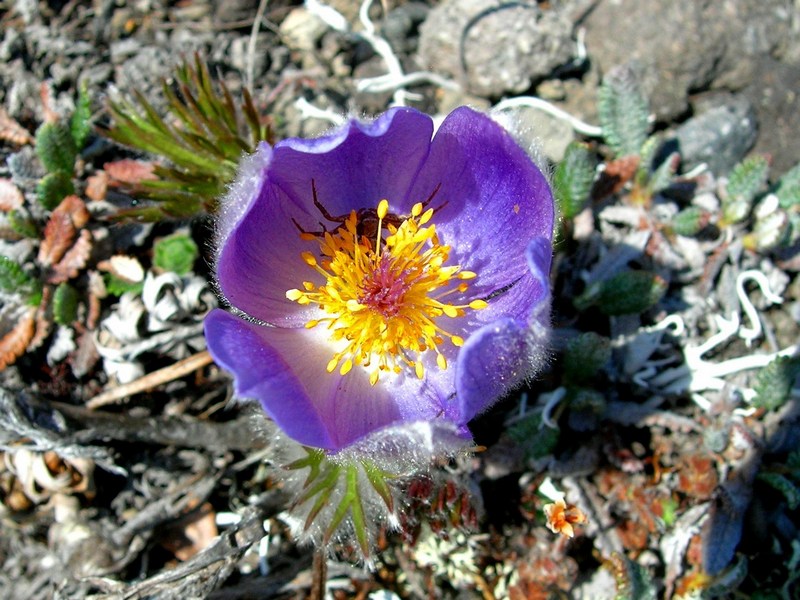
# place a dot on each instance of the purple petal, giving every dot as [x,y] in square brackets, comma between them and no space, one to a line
[285,369]
[356,167]
[502,354]
[353,168]
[493,198]
[262,374]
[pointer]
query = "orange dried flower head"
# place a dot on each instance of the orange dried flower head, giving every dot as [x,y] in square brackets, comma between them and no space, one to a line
[561,517]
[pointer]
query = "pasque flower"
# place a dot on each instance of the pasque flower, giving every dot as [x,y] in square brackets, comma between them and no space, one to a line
[387,285]
[381,275]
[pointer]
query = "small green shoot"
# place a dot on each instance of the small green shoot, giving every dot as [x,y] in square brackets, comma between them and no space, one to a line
[623,112]
[175,253]
[202,141]
[573,179]
[746,180]
[627,293]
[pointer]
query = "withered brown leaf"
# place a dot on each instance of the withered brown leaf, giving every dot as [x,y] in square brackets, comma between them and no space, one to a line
[129,171]
[614,177]
[97,185]
[73,260]
[10,196]
[61,229]
[15,342]
[13,132]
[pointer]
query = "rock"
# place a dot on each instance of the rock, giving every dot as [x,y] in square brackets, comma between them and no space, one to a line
[685,46]
[400,25]
[494,50]
[719,136]
[774,94]
[301,29]
[537,129]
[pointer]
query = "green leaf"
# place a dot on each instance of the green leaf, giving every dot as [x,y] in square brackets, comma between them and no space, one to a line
[647,154]
[65,304]
[378,480]
[669,511]
[117,286]
[774,382]
[56,148]
[22,224]
[633,581]
[627,293]
[661,178]
[203,138]
[690,221]
[784,485]
[536,439]
[623,112]
[53,188]
[573,179]
[584,356]
[788,189]
[746,180]
[79,124]
[13,280]
[175,253]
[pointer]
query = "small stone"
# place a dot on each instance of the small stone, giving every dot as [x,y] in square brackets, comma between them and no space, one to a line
[542,130]
[494,49]
[719,137]
[302,30]
[400,24]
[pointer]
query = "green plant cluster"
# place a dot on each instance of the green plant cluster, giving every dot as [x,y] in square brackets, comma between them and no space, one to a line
[329,481]
[57,146]
[198,145]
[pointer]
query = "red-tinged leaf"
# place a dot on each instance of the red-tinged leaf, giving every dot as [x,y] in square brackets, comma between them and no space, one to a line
[11,131]
[130,171]
[46,94]
[614,177]
[14,343]
[43,324]
[73,260]
[96,186]
[83,359]
[10,196]
[61,229]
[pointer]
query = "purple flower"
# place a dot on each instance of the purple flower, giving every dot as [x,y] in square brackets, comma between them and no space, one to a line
[382,277]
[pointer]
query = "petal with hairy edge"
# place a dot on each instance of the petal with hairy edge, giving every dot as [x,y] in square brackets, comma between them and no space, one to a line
[353,168]
[493,200]
[285,370]
[502,354]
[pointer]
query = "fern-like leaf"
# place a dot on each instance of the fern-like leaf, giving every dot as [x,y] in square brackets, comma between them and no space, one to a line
[13,280]
[65,304]
[55,147]
[175,253]
[201,143]
[788,189]
[573,179]
[774,382]
[623,112]
[79,124]
[745,181]
[53,188]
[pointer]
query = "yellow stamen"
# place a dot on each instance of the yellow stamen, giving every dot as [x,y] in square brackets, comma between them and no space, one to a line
[382,298]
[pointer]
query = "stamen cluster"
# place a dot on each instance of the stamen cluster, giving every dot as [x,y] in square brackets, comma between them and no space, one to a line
[382,298]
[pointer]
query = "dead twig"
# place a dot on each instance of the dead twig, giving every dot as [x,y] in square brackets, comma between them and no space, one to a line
[152,380]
